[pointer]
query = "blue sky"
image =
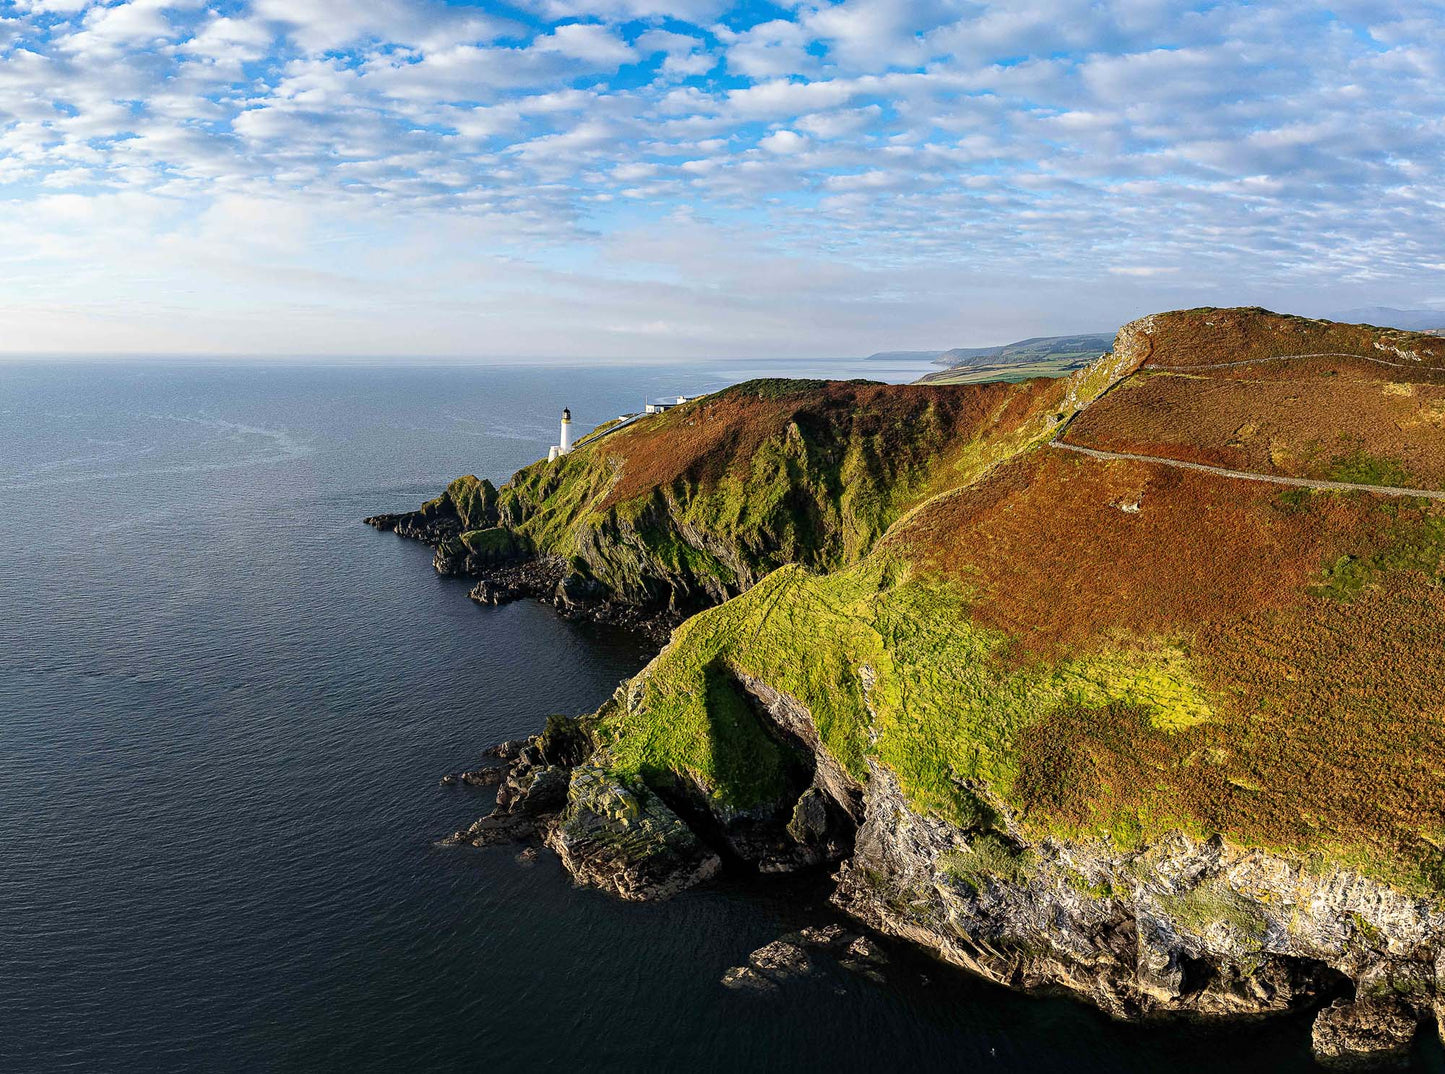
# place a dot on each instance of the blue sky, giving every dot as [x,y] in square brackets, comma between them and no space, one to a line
[694,178]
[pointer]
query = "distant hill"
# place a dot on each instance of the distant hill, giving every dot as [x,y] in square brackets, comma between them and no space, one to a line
[903,356]
[1388,317]
[1041,356]
[1036,349]
[1053,349]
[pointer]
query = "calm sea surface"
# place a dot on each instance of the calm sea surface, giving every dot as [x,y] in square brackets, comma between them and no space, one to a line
[224,708]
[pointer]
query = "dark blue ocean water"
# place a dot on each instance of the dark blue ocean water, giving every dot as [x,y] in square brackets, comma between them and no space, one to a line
[224,708]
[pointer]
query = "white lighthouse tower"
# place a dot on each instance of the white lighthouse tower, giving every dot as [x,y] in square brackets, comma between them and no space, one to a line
[565,444]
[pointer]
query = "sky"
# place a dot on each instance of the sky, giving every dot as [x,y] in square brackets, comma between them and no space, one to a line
[693,178]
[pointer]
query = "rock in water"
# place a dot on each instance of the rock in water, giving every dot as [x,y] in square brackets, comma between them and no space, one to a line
[507,751]
[627,841]
[866,950]
[482,777]
[781,960]
[747,979]
[1366,1034]
[826,936]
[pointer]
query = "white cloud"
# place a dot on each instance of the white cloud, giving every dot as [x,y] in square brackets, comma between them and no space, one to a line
[1130,151]
[783,142]
[768,50]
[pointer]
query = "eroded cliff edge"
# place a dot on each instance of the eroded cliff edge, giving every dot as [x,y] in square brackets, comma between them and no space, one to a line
[1167,738]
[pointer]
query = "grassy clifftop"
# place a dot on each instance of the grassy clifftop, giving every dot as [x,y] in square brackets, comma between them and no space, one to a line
[1108,648]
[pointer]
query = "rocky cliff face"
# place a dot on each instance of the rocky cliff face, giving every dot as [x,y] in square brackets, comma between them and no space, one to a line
[1180,926]
[1177,927]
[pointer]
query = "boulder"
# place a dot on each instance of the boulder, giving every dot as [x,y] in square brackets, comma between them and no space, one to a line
[494,592]
[1367,1033]
[507,751]
[828,937]
[865,950]
[576,590]
[809,824]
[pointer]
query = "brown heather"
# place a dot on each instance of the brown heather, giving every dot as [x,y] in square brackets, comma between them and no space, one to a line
[1327,419]
[1056,562]
[1206,336]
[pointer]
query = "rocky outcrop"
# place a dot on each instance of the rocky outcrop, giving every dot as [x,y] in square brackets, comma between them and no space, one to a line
[1368,1033]
[618,837]
[966,856]
[625,840]
[467,504]
[1181,927]
[789,957]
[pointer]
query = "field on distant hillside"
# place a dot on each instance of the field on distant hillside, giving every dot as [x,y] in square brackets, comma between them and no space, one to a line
[1080,349]
[985,374]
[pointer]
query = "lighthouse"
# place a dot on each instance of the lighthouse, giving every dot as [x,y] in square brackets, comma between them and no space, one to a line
[565,444]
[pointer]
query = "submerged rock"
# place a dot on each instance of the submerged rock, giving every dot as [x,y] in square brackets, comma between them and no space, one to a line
[747,979]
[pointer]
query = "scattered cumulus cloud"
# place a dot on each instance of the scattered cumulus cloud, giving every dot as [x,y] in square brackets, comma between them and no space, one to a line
[697,176]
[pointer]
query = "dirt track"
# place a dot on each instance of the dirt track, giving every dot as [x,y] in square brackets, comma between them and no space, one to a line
[1244,475]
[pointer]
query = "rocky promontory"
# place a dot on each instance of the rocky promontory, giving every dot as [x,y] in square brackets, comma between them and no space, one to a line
[1126,685]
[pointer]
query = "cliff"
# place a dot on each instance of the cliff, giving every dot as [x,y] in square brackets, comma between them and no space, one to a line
[1132,687]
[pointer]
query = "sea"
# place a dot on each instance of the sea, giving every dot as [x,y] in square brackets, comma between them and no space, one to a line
[225,705]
